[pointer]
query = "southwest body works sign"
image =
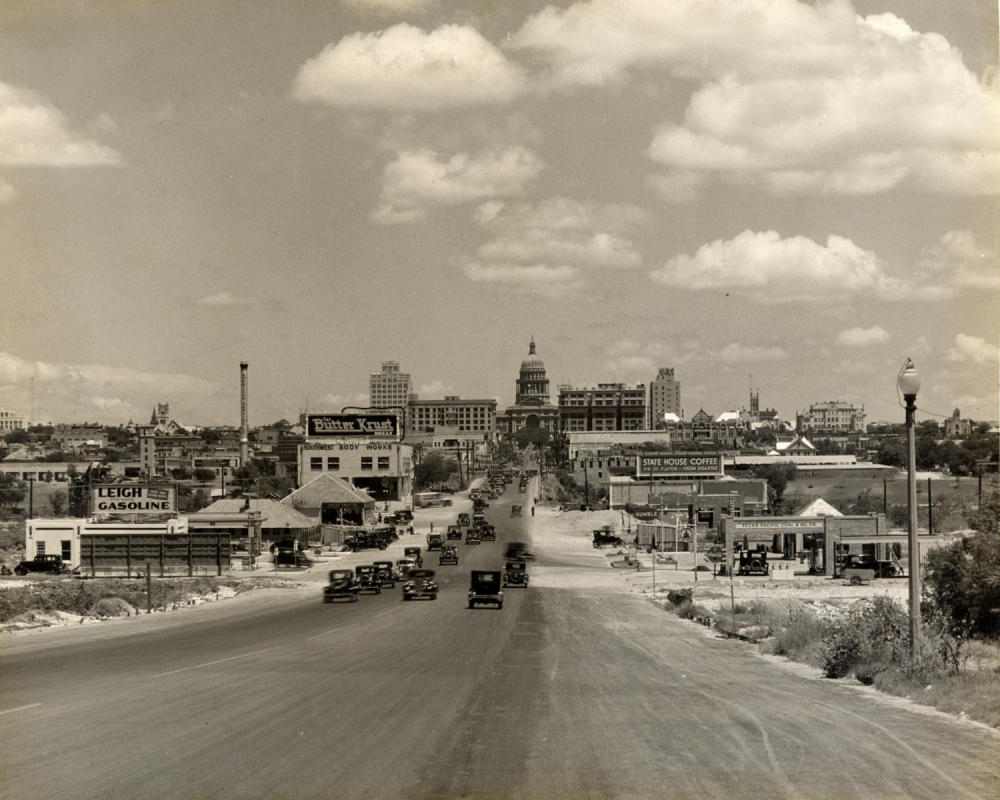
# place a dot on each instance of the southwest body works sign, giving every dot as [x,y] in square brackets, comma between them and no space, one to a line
[134,498]
[369,426]
[679,464]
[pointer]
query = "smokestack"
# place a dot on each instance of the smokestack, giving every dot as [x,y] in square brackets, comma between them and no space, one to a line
[244,427]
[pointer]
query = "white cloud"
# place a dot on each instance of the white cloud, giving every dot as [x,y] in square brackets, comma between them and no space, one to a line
[34,133]
[333,403]
[960,259]
[792,93]
[736,353]
[767,268]
[403,68]
[97,392]
[973,349]
[226,300]
[863,337]
[435,390]
[7,192]
[420,179]
[543,279]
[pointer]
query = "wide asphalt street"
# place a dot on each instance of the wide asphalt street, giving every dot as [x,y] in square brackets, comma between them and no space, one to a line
[563,693]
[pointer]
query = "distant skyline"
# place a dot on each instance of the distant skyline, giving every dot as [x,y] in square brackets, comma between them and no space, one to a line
[804,193]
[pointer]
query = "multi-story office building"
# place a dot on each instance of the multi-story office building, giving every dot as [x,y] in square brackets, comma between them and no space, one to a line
[9,421]
[606,407]
[79,437]
[830,416]
[389,388]
[664,397]
[463,420]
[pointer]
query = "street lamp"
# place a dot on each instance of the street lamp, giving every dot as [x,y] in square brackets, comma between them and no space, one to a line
[908,384]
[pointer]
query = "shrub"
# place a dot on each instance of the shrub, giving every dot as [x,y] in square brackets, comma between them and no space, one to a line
[801,637]
[113,607]
[872,636]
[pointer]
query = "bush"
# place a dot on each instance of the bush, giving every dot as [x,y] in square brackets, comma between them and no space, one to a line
[801,637]
[871,637]
[113,607]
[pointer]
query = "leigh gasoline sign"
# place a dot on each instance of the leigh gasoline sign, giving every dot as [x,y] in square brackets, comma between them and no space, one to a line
[134,498]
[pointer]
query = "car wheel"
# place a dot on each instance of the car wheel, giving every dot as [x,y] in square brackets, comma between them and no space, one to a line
[855,580]
[20,572]
[500,605]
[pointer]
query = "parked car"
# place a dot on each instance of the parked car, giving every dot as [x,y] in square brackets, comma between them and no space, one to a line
[863,567]
[515,574]
[484,588]
[420,584]
[367,579]
[449,555]
[342,586]
[51,564]
[413,553]
[404,515]
[385,573]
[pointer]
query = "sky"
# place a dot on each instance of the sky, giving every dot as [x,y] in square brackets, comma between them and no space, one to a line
[788,196]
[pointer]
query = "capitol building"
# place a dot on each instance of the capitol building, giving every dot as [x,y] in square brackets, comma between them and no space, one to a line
[531,408]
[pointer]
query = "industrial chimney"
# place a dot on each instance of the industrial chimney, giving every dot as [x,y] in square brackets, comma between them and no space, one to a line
[244,427]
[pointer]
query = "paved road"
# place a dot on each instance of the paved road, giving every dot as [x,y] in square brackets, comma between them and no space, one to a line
[562,693]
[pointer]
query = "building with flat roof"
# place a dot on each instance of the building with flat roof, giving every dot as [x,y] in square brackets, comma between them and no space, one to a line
[831,416]
[605,407]
[389,388]
[664,396]
[9,421]
[450,422]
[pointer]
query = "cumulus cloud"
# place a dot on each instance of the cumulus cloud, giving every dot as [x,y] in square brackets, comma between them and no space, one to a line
[435,389]
[736,353]
[767,268]
[972,349]
[227,300]
[863,337]
[34,133]
[793,94]
[404,68]
[418,180]
[96,392]
[631,360]
[960,259]
[559,240]
[386,7]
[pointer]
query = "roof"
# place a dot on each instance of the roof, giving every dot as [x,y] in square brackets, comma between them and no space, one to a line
[326,488]
[819,508]
[273,513]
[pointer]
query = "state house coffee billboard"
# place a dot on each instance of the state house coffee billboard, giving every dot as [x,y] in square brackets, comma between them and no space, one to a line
[134,498]
[342,426]
[678,464]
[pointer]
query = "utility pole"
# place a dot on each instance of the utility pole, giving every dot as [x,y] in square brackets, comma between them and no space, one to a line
[31,496]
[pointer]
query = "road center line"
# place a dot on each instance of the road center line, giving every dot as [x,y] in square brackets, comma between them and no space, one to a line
[19,708]
[212,663]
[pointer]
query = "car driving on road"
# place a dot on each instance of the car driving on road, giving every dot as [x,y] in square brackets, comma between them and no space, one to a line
[420,585]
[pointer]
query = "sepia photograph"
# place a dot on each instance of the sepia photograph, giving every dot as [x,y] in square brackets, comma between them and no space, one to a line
[499,399]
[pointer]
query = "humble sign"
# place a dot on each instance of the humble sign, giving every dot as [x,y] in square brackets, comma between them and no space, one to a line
[371,426]
[679,464]
[135,498]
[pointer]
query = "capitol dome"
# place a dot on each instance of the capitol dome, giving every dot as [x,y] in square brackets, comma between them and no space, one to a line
[533,384]
[532,362]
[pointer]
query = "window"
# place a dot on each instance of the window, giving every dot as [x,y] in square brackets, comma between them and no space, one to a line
[366,462]
[66,546]
[383,462]
[316,463]
[40,548]
[333,462]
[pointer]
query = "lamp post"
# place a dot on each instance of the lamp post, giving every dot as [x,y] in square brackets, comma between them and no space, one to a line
[909,384]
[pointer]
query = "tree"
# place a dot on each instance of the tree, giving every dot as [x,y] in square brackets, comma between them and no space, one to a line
[777,477]
[20,436]
[59,500]
[432,470]
[12,490]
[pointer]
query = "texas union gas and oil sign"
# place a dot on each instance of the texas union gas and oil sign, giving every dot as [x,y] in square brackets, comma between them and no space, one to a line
[650,465]
[341,426]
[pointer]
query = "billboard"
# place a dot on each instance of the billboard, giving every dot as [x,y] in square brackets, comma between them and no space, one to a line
[678,464]
[368,426]
[134,498]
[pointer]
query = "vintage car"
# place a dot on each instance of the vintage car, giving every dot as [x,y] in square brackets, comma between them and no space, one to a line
[487,532]
[342,586]
[515,573]
[607,537]
[472,536]
[413,553]
[52,564]
[420,585]
[454,533]
[403,516]
[449,555]
[367,578]
[385,573]
[515,510]
[484,588]
[753,562]
[434,541]
[861,568]
[403,567]
[518,551]
[464,519]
